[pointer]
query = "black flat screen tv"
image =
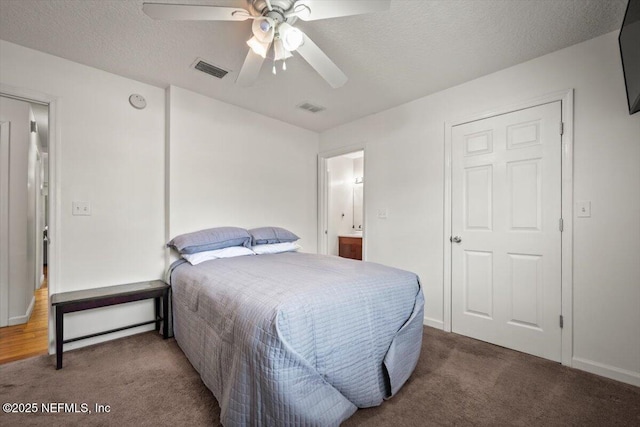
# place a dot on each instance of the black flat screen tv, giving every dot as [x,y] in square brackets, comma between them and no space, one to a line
[629,40]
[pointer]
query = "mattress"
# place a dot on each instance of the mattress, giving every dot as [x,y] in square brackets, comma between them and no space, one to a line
[295,338]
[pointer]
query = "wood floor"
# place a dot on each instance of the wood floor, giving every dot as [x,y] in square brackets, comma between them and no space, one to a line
[31,338]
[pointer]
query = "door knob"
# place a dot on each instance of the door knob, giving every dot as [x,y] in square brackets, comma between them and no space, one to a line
[455,239]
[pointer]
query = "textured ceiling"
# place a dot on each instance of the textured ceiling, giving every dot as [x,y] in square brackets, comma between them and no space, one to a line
[417,48]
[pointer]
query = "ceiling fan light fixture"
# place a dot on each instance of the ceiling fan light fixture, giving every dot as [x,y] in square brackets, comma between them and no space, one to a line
[279,51]
[258,47]
[263,30]
[265,26]
[292,38]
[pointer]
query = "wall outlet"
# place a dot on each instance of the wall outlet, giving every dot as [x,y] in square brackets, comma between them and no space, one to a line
[382,213]
[81,208]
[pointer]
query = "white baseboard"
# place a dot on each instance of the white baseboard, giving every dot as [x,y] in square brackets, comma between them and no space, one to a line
[434,323]
[41,281]
[608,371]
[19,320]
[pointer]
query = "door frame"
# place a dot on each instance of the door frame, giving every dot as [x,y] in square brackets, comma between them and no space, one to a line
[4,222]
[53,252]
[566,99]
[323,195]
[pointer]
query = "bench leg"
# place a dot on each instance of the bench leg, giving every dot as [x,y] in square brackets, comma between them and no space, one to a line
[59,336]
[157,312]
[165,314]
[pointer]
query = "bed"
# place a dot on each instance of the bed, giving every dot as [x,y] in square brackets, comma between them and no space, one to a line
[295,338]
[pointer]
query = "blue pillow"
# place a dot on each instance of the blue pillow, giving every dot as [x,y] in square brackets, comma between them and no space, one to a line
[210,239]
[270,235]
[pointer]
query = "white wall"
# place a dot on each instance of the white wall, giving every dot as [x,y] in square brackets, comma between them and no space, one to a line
[340,210]
[358,167]
[358,195]
[231,167]
[33,194]
[405,166]
[111,155]
[41,114]
[39,218]
[20,286]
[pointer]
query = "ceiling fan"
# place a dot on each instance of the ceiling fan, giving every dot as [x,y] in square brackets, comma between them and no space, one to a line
[273,29]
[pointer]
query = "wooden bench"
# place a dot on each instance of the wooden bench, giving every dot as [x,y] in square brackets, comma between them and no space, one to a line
[69,302]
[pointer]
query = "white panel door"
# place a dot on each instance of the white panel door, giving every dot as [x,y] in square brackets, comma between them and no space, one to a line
[506,210]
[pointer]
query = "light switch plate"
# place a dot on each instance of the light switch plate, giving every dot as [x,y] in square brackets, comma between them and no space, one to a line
[583,209]
[81,208]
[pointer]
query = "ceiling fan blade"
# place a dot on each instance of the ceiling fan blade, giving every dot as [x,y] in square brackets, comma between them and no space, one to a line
[250,69]
[183,12]
[313,10]
[321,63]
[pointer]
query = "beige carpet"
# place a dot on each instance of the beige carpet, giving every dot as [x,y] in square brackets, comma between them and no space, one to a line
[459,381]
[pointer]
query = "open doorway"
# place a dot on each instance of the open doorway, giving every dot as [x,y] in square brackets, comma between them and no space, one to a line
[342,205]
[24,290]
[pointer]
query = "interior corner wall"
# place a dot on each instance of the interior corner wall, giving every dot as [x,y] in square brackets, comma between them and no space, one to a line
[231,167]
[111,155]
[405,175]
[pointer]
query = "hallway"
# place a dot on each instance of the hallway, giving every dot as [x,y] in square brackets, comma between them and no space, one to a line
[29,339]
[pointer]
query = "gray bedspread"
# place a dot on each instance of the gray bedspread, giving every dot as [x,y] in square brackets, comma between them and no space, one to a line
[295,338]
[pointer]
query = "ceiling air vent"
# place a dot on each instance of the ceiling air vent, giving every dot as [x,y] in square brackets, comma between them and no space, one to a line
[212,70]
[310,107]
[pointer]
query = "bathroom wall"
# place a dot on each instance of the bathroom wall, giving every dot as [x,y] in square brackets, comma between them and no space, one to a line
[340,208]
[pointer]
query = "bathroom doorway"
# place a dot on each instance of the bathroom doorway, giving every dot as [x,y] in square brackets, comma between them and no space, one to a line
[342,204]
